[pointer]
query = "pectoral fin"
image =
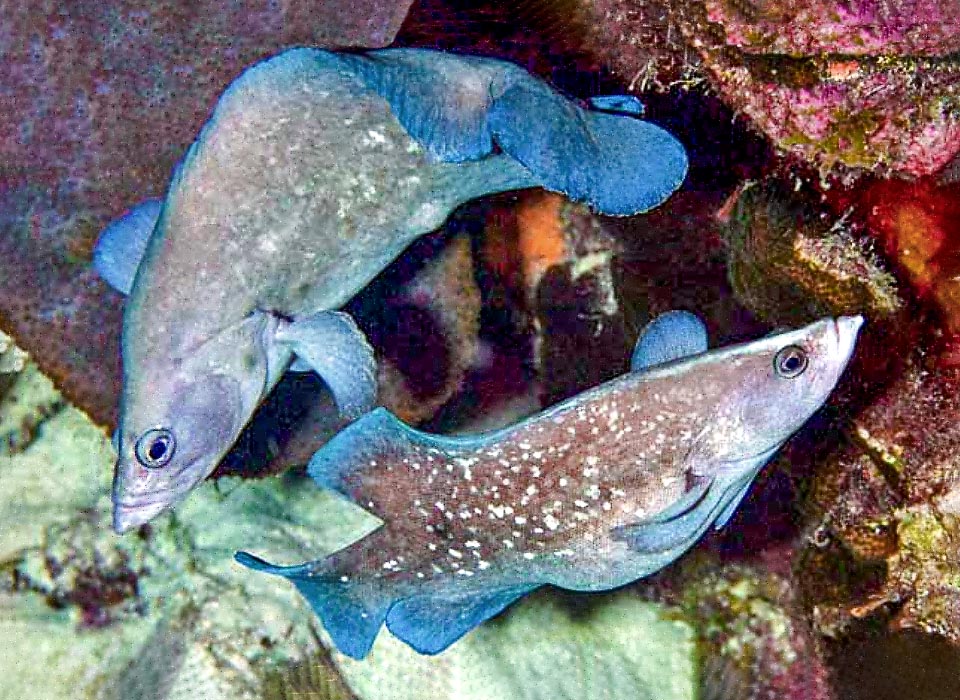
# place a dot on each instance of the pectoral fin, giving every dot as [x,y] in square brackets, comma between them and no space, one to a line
[431,623]
[678,527]
[122,243]
[332,345]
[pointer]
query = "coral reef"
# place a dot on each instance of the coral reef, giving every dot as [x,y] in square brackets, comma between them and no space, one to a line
[853,87]
[887,508]
[752,636]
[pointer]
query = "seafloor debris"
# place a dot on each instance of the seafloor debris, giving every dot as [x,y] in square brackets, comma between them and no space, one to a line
[27,398]
[849,85]
[790,263]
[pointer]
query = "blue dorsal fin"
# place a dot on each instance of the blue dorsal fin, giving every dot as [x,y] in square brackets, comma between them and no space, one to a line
[122,243]
[618,104]
[331,344]
[618,164]
[431,623]
[351,612]
[670,336]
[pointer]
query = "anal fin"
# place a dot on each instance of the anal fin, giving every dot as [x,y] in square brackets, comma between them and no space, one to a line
[431,623]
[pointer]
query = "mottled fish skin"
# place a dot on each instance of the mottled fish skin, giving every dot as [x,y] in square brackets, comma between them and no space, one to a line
[598,491]
[314,172]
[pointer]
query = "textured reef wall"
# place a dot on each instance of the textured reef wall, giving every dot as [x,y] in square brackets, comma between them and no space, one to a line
[824,139]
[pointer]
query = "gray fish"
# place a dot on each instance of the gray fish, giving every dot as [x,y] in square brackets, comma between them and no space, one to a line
[598,491]
[314,172]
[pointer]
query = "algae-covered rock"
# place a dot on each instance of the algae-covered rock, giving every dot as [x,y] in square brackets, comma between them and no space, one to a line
[160,613]
[788,264]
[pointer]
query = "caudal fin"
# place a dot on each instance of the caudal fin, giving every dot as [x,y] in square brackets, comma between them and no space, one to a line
[352,613]
[616,163]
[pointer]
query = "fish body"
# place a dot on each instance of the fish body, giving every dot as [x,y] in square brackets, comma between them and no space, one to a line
[315,171]
[598,491]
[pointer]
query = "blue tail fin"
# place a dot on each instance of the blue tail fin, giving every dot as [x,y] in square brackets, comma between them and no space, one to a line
[431,623]
[352,613]
[617,164]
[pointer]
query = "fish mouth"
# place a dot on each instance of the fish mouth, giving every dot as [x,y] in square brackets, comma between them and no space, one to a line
[132,511]
[128,515]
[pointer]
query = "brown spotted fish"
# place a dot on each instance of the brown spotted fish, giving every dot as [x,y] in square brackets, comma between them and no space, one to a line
[598,491]
[314,172]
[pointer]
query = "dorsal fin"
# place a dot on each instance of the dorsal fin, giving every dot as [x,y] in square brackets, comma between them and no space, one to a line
[122,243]
[670,336]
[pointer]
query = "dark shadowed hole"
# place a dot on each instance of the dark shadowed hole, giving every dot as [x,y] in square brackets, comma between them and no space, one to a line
[903,666]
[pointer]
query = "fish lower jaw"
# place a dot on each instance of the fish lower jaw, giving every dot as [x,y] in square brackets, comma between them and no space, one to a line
[127,516]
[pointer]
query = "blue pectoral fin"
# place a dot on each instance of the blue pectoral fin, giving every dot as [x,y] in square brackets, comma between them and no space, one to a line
[352,614]
[330,343]
[675,529]
[616,163]
[431,623]
[730,508]
[122,243]
[670,336]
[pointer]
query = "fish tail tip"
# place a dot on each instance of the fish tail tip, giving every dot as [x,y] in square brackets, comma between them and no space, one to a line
[252,562]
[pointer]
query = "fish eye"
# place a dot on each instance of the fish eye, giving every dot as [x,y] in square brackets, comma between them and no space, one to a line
[155,448]
[790,361]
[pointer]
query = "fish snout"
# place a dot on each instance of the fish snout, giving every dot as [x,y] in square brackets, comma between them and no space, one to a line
[847,329]
[139,495]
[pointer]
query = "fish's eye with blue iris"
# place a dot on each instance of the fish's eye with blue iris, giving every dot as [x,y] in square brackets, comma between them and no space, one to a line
[790,361]
[155,448]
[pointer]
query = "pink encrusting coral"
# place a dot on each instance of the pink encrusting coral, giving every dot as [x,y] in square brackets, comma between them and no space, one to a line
[852,85]
[853,27]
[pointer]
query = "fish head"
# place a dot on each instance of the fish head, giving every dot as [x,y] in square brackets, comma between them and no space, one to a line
[179,417]
[769,388]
